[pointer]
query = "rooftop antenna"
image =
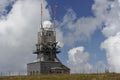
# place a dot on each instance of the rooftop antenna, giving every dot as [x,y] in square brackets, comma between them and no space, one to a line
[55,20]
[42,29]
[41,17]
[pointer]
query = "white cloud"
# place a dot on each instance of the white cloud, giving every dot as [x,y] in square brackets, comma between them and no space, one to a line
[78,60]
[18,34]
[80,29]
[112,20]
[112,32]
[112,47]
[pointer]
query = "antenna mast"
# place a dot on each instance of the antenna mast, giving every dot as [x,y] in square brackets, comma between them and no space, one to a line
[41,35]
[55,21]
[41,17]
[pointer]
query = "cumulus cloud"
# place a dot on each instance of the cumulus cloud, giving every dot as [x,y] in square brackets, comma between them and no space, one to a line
[80,28]
[112,19]
[78,60]
[112,32]
[18,34]
[112,47]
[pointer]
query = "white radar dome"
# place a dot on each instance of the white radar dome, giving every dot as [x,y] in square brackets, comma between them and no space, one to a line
[47,25]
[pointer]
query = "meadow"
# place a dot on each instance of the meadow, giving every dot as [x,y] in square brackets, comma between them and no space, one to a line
[111,76]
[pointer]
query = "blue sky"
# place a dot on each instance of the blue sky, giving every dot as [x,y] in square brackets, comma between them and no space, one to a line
[82,8]
[89,30]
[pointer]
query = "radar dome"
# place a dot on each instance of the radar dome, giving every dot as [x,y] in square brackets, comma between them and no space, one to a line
[47,25]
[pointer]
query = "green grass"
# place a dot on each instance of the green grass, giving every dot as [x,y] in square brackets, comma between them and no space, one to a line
[66,77]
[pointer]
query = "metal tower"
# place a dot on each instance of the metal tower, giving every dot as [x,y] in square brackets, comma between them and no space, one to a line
[46,50]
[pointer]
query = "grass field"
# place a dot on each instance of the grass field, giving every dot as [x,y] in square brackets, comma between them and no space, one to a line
[65,77]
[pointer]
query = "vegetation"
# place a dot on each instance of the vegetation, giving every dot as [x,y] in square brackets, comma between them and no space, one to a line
[109,76]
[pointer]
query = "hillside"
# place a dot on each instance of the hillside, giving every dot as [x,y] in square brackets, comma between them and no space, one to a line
[65,77]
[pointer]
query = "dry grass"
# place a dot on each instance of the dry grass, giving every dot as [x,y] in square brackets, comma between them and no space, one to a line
[66,77]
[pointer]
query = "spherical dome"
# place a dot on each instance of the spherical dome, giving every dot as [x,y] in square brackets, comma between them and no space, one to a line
[47,25]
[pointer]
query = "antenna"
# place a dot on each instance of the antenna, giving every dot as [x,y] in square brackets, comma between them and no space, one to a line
[41,37]
[55,20]
[41,17]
